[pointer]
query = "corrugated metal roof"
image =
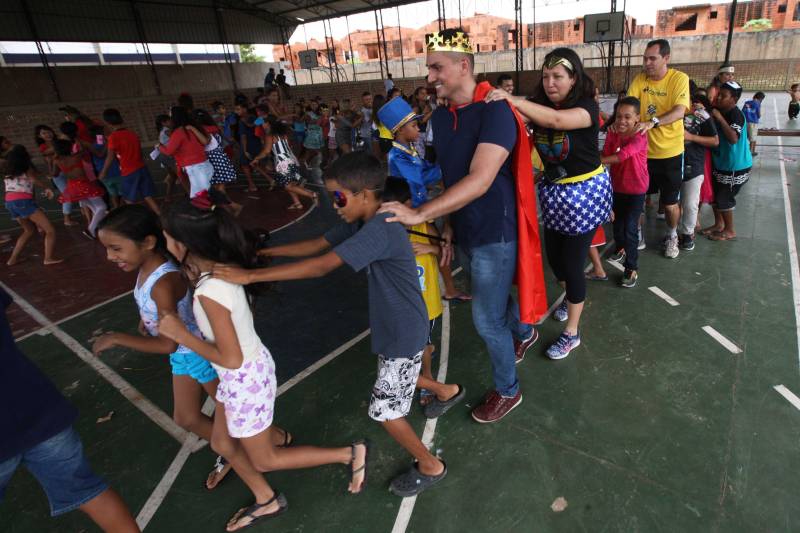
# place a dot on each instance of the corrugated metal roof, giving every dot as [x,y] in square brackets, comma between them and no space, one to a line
[170,21]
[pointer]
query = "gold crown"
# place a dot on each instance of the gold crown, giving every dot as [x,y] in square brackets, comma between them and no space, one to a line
[459,42]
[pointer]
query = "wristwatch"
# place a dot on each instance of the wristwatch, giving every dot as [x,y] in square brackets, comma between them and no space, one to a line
[656,122]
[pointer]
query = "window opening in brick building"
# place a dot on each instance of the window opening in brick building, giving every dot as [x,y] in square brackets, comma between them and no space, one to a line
[689,24]
[796,16]
[712,15]
[782,8]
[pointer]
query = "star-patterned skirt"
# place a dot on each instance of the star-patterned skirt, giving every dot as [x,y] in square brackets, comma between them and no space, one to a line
[576,208]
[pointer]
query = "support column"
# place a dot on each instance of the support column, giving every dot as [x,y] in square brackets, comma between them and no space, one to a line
[731,22]
[40,49]
[400,36]
[99,52]
[350,40]
[378,36]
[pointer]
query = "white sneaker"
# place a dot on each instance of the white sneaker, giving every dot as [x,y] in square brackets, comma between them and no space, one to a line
[671,250]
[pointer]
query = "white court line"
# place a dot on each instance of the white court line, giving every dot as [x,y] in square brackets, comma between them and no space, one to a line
[189,446]
[42,331]
[664,296]
[106,372]
[720,338]
[298,219]
[407,504]
[789,395]
[787,211]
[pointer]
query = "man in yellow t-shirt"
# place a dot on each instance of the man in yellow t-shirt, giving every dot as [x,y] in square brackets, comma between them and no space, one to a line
[664,96]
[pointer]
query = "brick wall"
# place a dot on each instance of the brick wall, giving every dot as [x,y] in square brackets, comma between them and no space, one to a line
[17,122]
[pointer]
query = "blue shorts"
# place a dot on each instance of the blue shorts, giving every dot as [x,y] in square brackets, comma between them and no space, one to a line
[21,208]
[192,365]
[138,185]
[62,470]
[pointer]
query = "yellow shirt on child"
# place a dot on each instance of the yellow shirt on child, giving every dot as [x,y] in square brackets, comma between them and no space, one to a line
[428,273]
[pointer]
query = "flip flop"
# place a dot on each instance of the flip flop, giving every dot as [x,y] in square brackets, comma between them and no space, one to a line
[220,466]
[354,471]
[595,277]
[249,512]
[437,407]
[708,231]
[460,297]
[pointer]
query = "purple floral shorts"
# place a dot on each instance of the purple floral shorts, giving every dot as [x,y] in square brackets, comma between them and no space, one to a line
[248,394]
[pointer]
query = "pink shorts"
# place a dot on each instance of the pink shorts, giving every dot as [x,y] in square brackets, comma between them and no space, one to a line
[248,395]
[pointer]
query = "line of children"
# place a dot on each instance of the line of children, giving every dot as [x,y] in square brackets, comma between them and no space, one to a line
[200,236]
[187,144]
[398,317]
[80,189]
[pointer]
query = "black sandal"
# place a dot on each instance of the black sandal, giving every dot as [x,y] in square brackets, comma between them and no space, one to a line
[249,512]
[354,471]
[288,439]
[219,466]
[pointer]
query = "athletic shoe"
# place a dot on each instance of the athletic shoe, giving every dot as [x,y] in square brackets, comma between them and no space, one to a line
[618,257]
[687,242]
[641,245]
[629,279]
[560,313]
[671,249]
[663,243]
[563,345]
[494,407]
[520,347]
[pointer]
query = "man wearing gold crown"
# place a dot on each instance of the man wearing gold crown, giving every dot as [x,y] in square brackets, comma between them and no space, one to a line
[489,200]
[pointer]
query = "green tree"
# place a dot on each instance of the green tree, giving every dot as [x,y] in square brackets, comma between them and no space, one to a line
[248,54]
[758,25]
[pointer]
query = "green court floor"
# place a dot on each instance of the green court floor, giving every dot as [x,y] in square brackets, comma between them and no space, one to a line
[651,425]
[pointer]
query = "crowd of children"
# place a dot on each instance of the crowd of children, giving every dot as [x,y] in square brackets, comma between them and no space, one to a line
[198,269]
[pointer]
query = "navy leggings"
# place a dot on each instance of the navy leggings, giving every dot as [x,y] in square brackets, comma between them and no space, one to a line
[567,257]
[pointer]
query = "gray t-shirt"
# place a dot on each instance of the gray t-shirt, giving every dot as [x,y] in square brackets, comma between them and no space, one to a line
[397,313]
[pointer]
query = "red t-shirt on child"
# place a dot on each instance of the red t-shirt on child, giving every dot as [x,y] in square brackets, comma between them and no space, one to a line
[184,146]
[128,148]
[630,175]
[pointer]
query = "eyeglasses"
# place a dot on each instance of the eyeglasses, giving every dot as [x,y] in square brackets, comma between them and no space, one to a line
[340,199]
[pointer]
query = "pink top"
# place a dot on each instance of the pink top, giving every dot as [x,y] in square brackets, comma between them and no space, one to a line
[630,175]
[184,146]
[19,187]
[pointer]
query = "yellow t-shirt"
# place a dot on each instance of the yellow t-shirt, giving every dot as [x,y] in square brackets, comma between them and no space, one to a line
[657,98]
[428,273]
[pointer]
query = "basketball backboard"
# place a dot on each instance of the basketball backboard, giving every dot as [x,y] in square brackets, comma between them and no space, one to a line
[603,27]
[308,59]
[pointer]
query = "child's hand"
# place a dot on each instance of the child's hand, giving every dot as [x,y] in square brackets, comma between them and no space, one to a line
[611,216]
[239,276]
[103,343]
[142,330]
[171,327]
[48,193]
[264,252]
[422,248]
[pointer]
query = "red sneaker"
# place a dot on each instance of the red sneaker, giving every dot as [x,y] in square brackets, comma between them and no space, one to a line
[520,347]
[495,407]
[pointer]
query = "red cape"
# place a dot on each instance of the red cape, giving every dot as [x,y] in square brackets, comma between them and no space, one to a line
[530,273]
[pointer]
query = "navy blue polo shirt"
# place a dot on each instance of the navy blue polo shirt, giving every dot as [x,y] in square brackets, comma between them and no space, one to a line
[33,409]
[492,217]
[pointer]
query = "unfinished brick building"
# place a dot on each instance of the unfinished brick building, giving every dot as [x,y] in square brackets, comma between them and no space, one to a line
[490,33]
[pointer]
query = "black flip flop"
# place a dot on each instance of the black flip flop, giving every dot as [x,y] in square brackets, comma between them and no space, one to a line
[219,466]
[283,506]
[363,467]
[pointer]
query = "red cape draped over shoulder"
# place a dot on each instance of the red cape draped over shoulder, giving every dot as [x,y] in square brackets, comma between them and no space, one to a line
[530,273]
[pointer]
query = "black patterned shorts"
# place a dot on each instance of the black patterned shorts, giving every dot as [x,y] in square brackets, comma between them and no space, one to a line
[393,392]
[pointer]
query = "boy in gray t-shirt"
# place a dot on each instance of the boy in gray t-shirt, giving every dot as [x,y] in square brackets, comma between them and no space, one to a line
[397,314]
